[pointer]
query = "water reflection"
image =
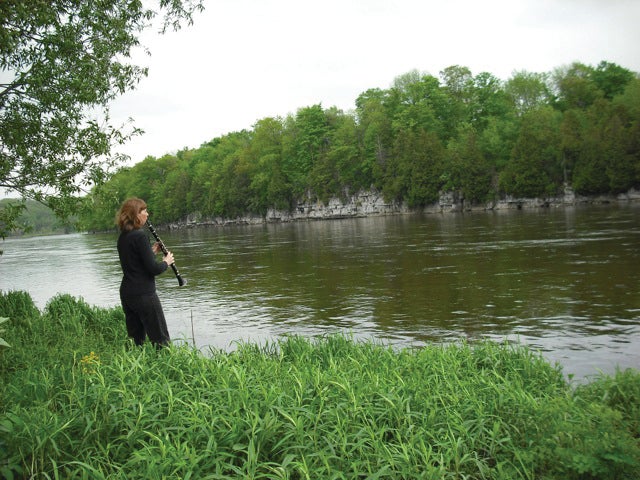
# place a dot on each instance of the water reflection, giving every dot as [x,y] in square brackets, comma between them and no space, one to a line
[563,281]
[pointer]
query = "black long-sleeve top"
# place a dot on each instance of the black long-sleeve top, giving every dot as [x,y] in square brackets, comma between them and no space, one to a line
[139,264]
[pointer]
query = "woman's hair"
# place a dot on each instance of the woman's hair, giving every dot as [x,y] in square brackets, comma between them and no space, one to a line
[127,217]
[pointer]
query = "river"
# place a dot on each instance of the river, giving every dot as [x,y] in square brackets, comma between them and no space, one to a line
[565,281]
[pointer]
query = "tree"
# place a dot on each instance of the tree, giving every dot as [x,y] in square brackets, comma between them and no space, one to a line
[306,139]
[489,100]
[200,168]
[104,200]
[375,130]
[173,191]
[269,188]
[620,167]
[230,176]
[336,169]
[354,173]
[419,103]
[630,99]
[576,87]
[498,139]
[607,164]
[62,63]
[572,132]
[459,89]
[528,91]
[612,79]
[414,171]
[467,171]
[535,169]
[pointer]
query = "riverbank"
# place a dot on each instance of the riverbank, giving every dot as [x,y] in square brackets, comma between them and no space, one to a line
[372,203]
[76,402]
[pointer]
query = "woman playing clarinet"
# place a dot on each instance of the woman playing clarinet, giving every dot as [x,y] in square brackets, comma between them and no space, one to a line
[142,309]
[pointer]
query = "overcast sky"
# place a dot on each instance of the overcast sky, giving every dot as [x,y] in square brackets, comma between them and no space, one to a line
[244,60]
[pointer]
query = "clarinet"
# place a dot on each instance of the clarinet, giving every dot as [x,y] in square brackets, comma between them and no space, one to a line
[181,281]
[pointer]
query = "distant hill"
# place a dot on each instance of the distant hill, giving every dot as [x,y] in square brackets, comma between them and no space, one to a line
[37,219]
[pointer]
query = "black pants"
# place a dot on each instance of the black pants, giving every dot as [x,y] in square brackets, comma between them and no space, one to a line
[145,318]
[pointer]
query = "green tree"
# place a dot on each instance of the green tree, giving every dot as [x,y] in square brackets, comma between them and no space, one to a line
[306,140]
[612,79]
[201,163]
[466,169]
[608,159]
[415,172]
[337,167]
[612,128]
[528,91]
[269,187]
[535,167]
[498,138]
[629,101]
[148,177]
[230,190]
[346,149]
[572,139]
[98,212]
[174,192]
[374,132]
[418,102]
[489,101]
[62,63]
[459,90]
[589,175]
[576,87]
[620,167]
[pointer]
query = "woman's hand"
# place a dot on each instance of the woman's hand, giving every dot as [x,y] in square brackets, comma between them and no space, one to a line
[156,248]
[168,258]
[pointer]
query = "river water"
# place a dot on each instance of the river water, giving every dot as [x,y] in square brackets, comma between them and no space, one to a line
[565,281]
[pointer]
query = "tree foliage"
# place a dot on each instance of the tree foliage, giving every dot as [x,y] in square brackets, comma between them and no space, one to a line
[473,135]
[62,62]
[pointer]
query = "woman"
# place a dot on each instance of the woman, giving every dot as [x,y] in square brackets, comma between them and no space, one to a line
[140,302]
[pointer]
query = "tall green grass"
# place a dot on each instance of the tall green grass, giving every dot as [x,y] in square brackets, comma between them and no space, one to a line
[78,401]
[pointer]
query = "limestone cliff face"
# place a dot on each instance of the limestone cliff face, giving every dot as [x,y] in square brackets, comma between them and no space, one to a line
[371,203]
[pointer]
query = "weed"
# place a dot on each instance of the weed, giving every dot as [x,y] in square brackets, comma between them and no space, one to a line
[299,408]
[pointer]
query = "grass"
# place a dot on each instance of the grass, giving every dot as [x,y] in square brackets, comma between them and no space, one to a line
[77,400]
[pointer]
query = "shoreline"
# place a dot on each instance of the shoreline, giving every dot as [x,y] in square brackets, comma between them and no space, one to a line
[371,203]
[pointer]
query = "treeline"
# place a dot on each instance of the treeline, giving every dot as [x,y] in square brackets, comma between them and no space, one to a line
[474,135]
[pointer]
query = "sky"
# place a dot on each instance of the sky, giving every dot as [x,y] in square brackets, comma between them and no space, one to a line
[245,60]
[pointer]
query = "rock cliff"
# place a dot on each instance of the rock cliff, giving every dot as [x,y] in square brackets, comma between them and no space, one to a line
[370,203]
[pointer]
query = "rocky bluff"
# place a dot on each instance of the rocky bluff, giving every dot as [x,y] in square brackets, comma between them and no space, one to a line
[370,203]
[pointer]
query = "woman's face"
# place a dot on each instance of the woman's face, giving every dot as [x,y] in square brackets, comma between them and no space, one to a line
[142,216]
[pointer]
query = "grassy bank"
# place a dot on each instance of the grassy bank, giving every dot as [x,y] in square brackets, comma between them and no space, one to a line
[76,401]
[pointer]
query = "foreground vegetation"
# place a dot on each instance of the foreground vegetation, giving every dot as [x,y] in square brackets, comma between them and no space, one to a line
[76,401]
